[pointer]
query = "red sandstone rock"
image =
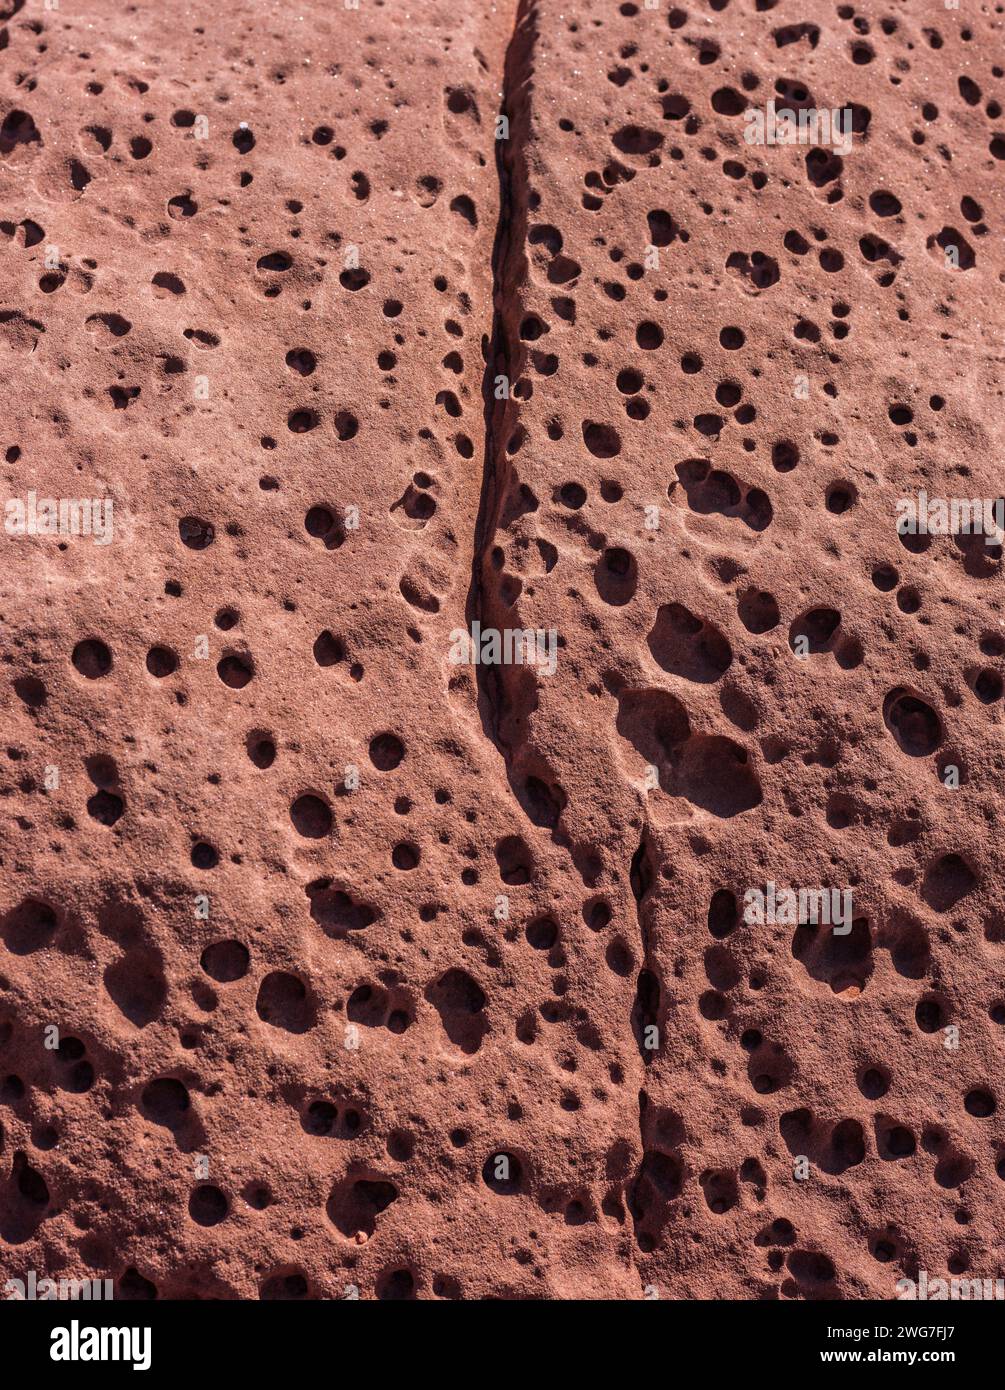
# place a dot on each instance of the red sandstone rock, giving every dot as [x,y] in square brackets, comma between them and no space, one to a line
[329,963]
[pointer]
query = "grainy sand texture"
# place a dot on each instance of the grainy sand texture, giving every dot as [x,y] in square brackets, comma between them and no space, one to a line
[501,616]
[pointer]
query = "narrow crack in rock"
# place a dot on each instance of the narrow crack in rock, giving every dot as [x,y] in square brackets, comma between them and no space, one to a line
[504,358]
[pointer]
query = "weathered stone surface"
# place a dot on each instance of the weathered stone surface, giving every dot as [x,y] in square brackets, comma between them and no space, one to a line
[329,923]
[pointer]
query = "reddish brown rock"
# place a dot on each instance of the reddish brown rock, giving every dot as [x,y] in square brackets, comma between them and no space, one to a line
[328,962]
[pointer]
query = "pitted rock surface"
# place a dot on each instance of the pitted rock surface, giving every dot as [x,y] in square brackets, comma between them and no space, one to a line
[329,963]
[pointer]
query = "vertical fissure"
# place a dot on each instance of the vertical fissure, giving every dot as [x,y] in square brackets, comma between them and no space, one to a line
[503,359]
[645,1010]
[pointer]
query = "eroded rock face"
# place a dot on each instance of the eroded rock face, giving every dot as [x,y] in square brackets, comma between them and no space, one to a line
[336,951]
